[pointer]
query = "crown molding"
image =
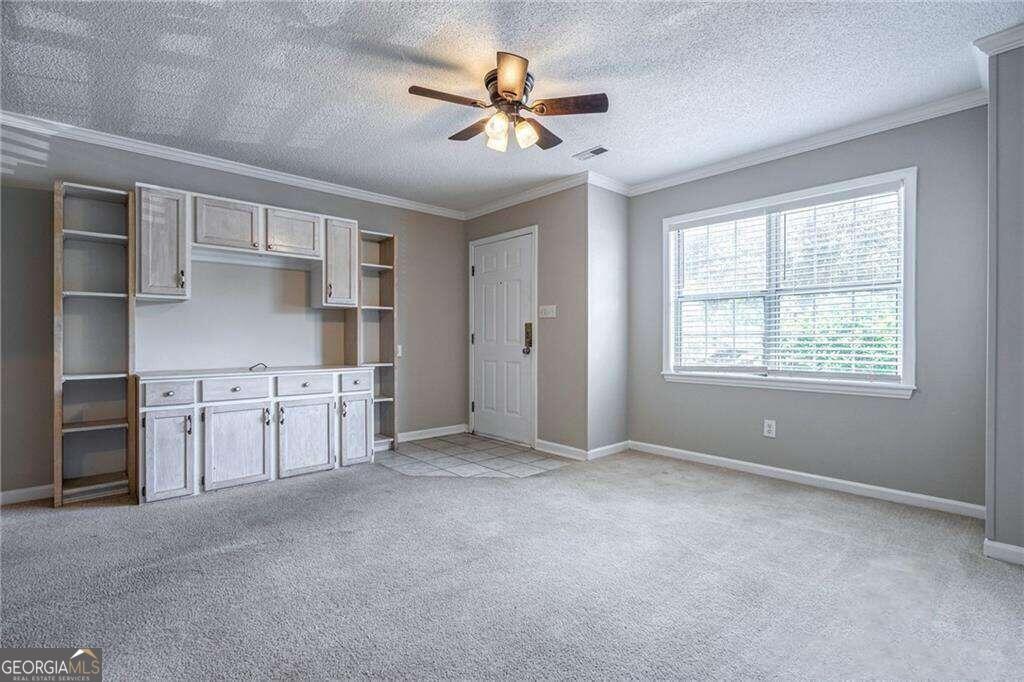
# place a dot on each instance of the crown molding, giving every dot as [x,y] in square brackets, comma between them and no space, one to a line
[537,192]
[942,107]
[49,128]
[1003,41]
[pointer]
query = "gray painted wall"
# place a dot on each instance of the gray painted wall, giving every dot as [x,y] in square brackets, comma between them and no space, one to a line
[932,443]
[26,364]
[607,316]
[432,266]
[1006,451]
[562,280]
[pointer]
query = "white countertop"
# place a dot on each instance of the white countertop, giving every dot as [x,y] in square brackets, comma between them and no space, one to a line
[243,371]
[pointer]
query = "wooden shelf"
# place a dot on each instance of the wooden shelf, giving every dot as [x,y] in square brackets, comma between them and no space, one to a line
[378,364]
[383,308]
[86,236]
[380,440]
[96,376]
[108,194]
[95,425]
[94,487]
[384,399]
[94,294]
[377,266]
[371,236]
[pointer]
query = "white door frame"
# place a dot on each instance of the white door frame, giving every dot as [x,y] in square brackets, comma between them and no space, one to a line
[531,230]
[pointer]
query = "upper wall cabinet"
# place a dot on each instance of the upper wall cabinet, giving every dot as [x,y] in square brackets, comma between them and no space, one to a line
[221,222]
[342,262]
[163,243]
[293,232]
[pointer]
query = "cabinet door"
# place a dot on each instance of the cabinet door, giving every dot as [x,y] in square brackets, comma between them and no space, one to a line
[293,232]
[305,436]
[168,454]
[237,445]
[163,243]
[356,429]
[342,266]
[227,223]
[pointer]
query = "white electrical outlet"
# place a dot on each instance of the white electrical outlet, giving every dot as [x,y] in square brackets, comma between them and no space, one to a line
[398,351]
[769,428]
[548,311]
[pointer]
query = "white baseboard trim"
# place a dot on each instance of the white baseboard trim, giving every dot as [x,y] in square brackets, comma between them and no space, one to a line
[39,492]
[432,433]
[553,448]
[1002,551]
[864,489]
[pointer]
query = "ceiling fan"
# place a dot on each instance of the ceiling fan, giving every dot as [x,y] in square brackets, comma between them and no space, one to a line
[509,87]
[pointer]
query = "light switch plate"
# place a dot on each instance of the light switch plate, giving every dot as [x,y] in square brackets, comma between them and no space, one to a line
[398,351]
[549,311]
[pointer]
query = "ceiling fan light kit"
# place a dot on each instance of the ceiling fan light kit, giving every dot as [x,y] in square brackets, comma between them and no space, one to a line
[509,87]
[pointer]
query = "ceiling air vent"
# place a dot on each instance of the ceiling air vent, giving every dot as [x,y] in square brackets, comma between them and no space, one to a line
[588,154]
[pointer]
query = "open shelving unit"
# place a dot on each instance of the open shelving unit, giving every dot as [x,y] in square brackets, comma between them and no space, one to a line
[378,316]
[93,313]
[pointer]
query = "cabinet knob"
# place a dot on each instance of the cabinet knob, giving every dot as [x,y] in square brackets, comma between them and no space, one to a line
[168,394]
[305,384]
[355,382]
[255,245]
[236,389]
[269,245]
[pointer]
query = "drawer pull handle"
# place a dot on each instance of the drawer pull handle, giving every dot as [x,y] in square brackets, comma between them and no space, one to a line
[344,408]
[266,416]
[305,384]
[236,389]
[188,425]
[330,290]
[169,394]
[281,413]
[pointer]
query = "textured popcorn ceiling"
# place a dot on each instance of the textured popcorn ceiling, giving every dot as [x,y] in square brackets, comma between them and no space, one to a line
[320,89]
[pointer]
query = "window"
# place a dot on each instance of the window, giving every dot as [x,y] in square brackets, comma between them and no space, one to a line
[811,290]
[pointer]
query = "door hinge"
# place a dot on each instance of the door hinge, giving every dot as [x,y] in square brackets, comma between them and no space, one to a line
[472,338]
[143,492]
[202,480]
[472,271]
[472,406]
[143,422]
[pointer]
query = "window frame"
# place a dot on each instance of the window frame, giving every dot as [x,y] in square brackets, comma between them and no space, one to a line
[906,179]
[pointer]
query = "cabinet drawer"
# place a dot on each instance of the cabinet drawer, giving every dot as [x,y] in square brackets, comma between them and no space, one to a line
[234,389]
[169,393]
[301,384]
[356,381]
[293,232]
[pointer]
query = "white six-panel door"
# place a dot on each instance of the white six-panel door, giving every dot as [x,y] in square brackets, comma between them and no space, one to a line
[503,304]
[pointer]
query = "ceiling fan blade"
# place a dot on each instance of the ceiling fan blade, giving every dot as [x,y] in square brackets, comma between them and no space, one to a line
[580,104]
[511,76]
[447,97]
[545,138]
[470,132]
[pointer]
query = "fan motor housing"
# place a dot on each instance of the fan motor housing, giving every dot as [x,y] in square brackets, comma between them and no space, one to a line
[491,83]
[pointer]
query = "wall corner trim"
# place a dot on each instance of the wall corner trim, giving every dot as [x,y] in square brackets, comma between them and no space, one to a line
[38,492]
[1001,41]
[1003,551]
[943,504]
[561,450]
[437,432]
[49,128]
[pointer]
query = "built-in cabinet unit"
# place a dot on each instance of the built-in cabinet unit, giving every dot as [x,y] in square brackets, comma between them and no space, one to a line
[164,267]
[93,315]
[222,222]
[240,426]
[237,444]
[168,454]
[305,435]
[378,310]
[166,434]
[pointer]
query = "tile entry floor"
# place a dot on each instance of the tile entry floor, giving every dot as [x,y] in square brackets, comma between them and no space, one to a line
[467,455]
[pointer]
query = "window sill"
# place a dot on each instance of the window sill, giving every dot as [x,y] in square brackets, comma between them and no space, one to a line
[874,389]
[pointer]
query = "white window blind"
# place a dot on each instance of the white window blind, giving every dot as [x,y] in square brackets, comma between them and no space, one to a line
[805,287]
